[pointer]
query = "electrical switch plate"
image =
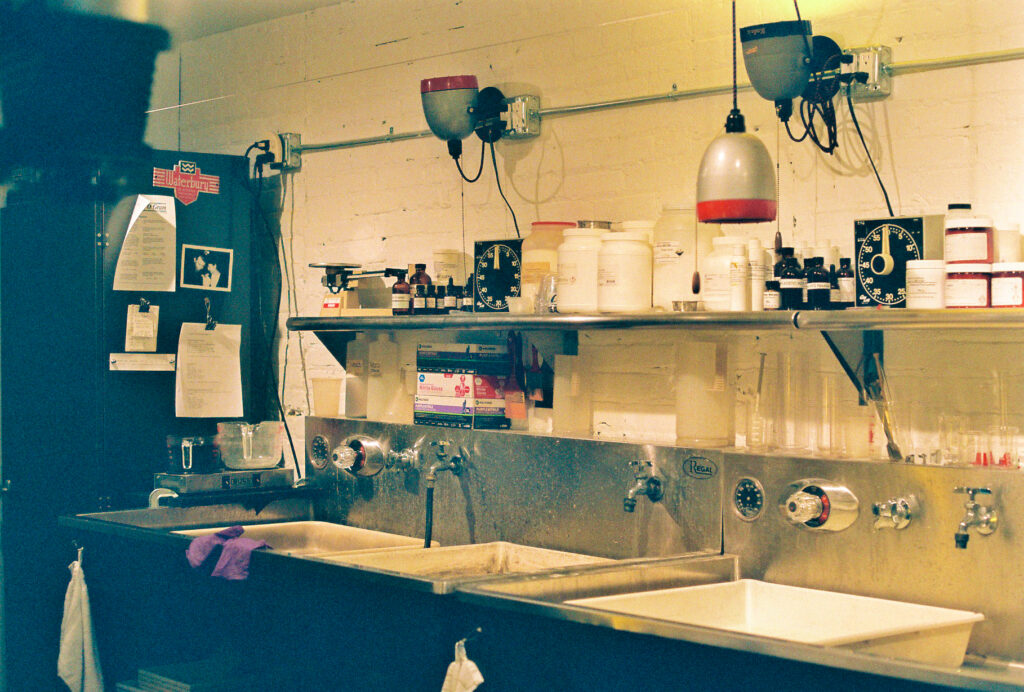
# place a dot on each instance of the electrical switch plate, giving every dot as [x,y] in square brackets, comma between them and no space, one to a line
[523,117]
[875,61]
[291,145]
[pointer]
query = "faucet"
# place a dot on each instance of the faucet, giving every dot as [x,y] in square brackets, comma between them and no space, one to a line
[897,513]
[982,516]
[645,483]
[445,462]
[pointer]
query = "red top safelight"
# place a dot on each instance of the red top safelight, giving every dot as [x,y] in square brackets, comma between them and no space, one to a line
[462,81]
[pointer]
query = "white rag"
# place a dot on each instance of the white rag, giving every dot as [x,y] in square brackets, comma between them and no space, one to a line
[78,663]
[462,675]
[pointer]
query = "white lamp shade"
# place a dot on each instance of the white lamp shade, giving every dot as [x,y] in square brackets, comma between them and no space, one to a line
[736,181]
[447,104]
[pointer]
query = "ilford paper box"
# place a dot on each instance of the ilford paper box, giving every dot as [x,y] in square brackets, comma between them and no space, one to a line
[479,358]
[443,411]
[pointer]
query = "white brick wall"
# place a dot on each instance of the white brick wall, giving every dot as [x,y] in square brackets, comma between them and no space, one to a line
[352,70]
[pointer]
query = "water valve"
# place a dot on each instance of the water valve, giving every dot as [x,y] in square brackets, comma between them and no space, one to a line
[818,504]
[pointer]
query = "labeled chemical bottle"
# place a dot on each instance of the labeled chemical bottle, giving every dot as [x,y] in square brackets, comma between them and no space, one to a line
[431,299]
[833,289]
[624,273]
[357,370]
[818,285]
[758,273]
[419,275]
[784,254]
[772,295]
[401,296]
[714,274]
[383,378]
[847,284]
[792,284]
[441,296]
[452,297]
[739,279]
[968,236]
[577,270]
[679,244]
[467,296]
[419,299]
[540,255]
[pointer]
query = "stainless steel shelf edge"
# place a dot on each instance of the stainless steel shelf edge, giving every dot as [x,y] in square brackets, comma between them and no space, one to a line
[845,320]
[501,321]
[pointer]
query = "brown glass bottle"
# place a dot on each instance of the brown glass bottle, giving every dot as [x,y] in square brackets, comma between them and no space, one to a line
[420,275]
[401,296]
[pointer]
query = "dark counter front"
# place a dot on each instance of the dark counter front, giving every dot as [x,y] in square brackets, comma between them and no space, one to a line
[311,626]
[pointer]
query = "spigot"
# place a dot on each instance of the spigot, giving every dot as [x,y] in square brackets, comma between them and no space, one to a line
[896,513]
[406,460]
[446,460]
[983,517]
[645,483]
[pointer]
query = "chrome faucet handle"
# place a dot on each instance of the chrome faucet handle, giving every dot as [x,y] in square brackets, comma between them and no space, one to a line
[404,460]
[971,492]
[642,468]
[896,513]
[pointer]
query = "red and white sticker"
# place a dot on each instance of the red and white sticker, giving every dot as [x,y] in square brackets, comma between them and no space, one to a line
[187,181]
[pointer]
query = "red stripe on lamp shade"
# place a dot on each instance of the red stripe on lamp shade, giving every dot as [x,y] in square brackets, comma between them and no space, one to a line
[462,81]
[736,210]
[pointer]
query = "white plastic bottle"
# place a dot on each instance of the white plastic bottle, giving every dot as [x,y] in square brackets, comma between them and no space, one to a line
[758,273]
[356,374]
[739,279]
[383,377]
[714,273]
[643,226]
[577,270]
[624,273]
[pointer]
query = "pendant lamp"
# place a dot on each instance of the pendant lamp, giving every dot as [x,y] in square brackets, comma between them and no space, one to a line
[736,182]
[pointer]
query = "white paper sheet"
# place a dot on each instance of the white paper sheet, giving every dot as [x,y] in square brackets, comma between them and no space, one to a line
[146,261]
[140,330]
[208,381]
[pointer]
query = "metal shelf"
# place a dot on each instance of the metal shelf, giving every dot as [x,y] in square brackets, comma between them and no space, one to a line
[845,320]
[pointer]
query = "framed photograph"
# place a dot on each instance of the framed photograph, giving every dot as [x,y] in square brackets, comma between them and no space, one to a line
[206,268]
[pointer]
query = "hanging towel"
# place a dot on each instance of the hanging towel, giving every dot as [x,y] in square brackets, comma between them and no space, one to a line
[78,663]
[462,675]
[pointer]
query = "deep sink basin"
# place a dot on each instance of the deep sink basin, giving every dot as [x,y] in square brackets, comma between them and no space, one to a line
[307,538]
[871,625]
[466,561]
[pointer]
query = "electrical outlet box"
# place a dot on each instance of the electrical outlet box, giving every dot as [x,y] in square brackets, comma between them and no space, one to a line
[523,117]
[291,147]
[874,61]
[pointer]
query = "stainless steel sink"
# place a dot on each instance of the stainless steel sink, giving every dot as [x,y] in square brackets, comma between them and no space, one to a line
[442,568]
[310,538]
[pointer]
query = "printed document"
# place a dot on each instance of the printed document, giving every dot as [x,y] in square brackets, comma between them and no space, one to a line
[208,381]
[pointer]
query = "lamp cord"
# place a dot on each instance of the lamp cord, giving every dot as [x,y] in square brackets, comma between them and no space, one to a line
[497,179]
[479,170]
[853,116]
[734,77]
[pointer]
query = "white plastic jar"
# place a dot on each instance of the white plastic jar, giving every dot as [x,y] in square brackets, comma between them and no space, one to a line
[926,284]
[1008,285]
[540,255]
[624,274]
[968,236]
[577,269]
[642,225]
[714,273]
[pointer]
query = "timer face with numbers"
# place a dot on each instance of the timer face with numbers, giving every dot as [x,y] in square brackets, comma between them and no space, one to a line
[497,274]
[882,249]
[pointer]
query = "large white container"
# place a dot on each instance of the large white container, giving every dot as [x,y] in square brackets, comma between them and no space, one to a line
[540,256]
[383,377]
[624,273]
[642,225]
[714,273]
[871,625]
[577,270]
[679,245]
[357,373]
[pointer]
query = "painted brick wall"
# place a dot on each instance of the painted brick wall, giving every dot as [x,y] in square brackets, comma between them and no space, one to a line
[352,70]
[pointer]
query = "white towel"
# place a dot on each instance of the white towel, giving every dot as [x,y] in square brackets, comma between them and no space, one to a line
[78,663]
[462,675]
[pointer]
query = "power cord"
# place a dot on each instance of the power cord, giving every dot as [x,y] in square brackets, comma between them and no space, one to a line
[480,169]
[862,77]
[497,179]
